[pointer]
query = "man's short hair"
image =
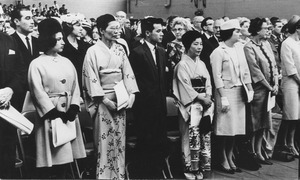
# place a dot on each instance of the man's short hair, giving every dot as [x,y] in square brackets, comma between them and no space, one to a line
[204,22]
[147,24]
[16,14]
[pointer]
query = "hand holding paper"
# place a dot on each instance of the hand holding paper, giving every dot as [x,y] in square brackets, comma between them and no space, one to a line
[5,96]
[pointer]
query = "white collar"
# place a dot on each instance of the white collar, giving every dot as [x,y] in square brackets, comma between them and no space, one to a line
[151,46]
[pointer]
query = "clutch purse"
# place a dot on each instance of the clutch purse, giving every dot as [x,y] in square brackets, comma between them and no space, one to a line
[62,133]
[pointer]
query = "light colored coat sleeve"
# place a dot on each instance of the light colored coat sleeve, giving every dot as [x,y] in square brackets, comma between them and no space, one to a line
[254,68]
[37,91]
[216,60]
[287,61]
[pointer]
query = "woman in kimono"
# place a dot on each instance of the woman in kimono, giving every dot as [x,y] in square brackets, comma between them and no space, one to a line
[290,85]
[232,78]
[192,88]
[54,89]
[106,64]
[175,48]
[262,66]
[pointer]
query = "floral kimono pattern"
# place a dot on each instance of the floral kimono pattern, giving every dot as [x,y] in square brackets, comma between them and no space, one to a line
[102,69]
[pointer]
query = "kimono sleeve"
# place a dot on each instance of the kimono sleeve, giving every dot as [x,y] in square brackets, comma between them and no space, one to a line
[90,76]
[128,76]
[42,102]
[182,86]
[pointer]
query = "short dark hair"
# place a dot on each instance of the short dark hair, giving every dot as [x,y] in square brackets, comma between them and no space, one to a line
[255,25]
[189,37]
[16,14]
[103,21]
[89,31]
[47,29]
[67,28]
[147,25]
[226,34]
[204,22]
[274,20]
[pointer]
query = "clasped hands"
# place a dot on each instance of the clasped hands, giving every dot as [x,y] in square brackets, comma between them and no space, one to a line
[5,97]
[112,106]
[205,101]
[274,90]
[70,115]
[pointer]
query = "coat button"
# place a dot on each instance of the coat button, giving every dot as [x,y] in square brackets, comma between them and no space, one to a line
[63,105]
[63,81]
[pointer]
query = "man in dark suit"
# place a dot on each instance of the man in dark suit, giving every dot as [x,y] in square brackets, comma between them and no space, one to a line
[210,42]
[12,83]
[148,62]
[126,33]
[23,23]
[28,46]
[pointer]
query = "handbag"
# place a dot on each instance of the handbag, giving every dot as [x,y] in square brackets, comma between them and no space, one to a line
[62,133]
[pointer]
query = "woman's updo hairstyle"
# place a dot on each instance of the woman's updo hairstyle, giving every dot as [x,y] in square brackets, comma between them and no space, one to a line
[293,24]
[47,29]
[188,38]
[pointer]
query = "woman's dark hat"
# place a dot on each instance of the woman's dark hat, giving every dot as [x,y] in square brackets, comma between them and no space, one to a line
[49,27]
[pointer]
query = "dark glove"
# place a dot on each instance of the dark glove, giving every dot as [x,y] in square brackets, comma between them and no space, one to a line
[72,112]
[53,114]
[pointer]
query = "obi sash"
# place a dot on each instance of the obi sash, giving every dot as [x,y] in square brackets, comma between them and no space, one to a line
[109,78]
[199,84]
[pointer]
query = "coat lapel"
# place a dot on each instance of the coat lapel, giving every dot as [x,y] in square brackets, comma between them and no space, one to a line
[228,55]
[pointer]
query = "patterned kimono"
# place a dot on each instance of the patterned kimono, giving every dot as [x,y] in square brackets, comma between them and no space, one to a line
[186,88]
[102,69]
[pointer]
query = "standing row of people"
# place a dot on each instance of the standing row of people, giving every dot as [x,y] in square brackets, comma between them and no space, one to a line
[195,69]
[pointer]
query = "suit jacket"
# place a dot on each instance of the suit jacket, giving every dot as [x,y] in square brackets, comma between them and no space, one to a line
[128,35]
[24,51]
[224,72]
[150,78]
[12,69]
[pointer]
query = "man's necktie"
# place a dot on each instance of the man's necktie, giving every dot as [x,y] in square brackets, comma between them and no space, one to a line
[156,57]
[28,44]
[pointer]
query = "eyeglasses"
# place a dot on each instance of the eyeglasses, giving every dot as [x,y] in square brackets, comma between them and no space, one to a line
[179,29]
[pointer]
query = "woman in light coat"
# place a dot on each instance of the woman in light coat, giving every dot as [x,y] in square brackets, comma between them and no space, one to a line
[55,93]
[290,84]
[232,78]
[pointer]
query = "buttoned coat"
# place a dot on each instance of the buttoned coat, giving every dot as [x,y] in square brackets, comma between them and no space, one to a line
[53,83]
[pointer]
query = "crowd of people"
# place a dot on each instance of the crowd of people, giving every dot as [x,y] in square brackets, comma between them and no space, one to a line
[222,74]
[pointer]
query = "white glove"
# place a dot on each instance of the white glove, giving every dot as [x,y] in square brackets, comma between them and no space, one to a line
[251,95]
[225,104]
[224,101]
[130,101]
[5,96]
